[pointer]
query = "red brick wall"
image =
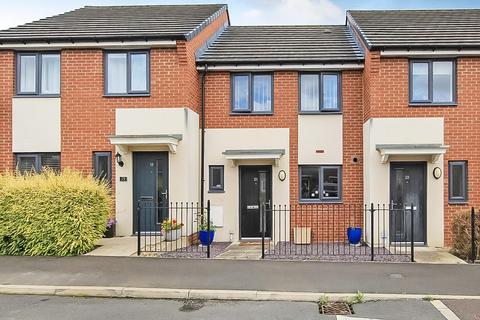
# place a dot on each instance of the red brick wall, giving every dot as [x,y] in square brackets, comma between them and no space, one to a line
[7,78]
[460,122]
[286,116]
[88,117]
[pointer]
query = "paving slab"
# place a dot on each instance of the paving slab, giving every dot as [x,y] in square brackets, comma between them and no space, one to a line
[115,247]
[464,309]
[436,256]
[293,276]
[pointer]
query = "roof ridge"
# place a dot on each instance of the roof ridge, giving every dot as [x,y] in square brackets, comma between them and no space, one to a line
[289,25]
[414,10]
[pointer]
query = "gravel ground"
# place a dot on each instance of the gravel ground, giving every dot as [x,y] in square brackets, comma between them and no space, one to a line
[333,252]
[196,252]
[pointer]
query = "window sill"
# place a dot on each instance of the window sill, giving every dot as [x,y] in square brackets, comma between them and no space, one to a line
[320,202]
[251,113]
[460,202]
[318,112]
[216,191]
[36,96]
[133,95]
[427,105]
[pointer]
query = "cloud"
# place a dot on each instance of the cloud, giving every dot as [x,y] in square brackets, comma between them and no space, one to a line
[291,12]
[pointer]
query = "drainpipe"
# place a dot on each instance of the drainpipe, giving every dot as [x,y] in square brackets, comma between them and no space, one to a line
[202,141]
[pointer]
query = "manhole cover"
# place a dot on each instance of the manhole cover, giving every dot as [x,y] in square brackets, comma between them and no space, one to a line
[336,308]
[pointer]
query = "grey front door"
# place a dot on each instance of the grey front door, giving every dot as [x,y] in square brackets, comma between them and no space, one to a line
[150,187]
[408,186]
[255,190]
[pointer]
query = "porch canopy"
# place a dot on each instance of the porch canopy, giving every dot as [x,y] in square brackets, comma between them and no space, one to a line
[124,141]
[432,150]
[254,154]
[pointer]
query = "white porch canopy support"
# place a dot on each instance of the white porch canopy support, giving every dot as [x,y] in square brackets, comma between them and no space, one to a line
[254,154]
[433,150]
[123,142]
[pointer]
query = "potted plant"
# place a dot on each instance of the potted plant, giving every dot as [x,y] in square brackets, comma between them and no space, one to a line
[206,236]
[172,229]
[354,235]
[110,231]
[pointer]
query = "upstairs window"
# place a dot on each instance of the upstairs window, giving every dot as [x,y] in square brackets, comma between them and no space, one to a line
[252,93]
[37,162]
[320,183]
[320,92]
[127,73]
[457,181]
[102,166]
[432,82]
[38,74]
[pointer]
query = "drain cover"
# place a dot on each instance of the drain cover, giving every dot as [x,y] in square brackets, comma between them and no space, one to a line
[336,308]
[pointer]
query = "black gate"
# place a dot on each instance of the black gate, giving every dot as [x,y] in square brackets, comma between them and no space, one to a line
[172,230]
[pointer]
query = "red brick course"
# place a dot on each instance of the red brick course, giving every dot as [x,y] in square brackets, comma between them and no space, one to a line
[7,78]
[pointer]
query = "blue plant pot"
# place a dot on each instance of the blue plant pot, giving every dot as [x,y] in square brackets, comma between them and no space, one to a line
[354,235]
[206,237]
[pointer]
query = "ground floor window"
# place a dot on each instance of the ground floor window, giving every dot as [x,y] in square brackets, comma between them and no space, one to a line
[37,162]
[102,166]
[320,183]
[216,179]
[457,181]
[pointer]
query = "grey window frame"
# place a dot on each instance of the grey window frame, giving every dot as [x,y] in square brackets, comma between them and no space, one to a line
[38,75]
[129,92]
[464,198]
[211,187]
[429,101]
[251,77]
[38,159]
[96,156]
[321,198]
[321,110]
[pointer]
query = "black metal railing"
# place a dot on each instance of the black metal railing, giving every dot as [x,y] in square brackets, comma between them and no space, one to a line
[474,237]
[309,231]
[172,230]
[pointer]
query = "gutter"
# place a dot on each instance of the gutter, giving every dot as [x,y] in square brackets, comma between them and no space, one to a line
[202,141]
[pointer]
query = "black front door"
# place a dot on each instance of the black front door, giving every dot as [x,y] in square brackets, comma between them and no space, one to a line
[407,187]
[150,188]
[255,190]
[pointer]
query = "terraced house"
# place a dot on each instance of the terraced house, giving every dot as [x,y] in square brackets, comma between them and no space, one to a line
[381,109]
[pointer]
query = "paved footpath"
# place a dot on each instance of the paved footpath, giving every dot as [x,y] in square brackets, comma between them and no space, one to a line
[293,276]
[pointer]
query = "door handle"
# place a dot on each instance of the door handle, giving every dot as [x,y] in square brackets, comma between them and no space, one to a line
[165,194]
[410,208]
[146,197]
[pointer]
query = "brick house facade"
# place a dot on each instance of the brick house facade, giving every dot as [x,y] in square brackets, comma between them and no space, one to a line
[372,131]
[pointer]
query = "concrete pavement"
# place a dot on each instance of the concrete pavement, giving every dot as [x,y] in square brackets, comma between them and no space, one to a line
[293,276]
[56,308]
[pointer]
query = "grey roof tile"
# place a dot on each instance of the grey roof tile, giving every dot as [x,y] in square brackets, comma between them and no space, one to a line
[285,44]
[418,28]
[117,22]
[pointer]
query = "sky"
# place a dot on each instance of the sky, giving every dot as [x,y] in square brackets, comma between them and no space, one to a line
[242,12]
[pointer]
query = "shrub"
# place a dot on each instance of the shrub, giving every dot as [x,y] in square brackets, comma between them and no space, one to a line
[52,214]
[462,235]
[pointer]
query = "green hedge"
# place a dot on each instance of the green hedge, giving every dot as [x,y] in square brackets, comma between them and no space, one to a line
[52,214]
